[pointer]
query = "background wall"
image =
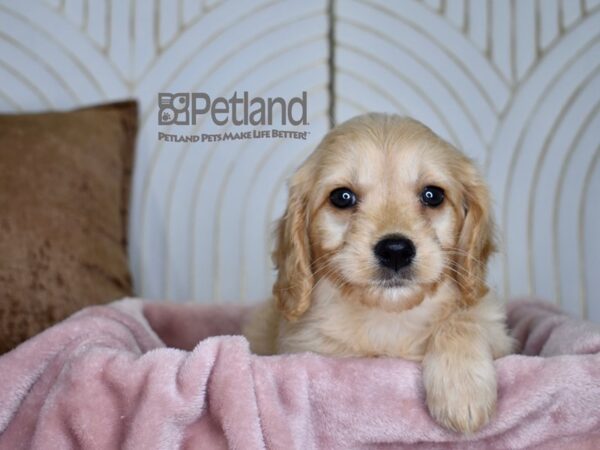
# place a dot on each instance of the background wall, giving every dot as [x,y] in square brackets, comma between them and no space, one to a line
[516,84]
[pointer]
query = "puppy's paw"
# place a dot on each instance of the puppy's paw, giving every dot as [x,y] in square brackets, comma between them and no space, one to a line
[461,394]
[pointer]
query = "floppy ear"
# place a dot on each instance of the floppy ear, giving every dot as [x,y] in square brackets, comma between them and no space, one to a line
[475,241]
[292,256]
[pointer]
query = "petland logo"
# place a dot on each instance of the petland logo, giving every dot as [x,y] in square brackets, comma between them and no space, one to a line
[185,108]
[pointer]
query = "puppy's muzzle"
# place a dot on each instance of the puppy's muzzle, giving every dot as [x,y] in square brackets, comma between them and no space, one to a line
[395,252]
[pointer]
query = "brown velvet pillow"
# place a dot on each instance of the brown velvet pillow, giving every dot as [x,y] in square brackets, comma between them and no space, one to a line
[64,192]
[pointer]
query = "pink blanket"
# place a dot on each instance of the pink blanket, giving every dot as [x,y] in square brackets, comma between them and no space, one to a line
[104,379]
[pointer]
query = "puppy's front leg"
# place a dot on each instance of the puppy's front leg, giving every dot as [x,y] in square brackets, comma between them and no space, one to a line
[459,374]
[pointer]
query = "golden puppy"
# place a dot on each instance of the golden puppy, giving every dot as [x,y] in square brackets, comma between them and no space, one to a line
[382,251]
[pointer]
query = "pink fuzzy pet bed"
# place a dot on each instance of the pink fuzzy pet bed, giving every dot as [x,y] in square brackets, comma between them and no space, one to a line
[105,379]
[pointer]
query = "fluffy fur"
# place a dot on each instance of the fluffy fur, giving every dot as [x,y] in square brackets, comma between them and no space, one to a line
[329,297]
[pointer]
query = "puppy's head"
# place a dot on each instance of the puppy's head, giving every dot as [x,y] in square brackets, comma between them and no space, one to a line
[385,210]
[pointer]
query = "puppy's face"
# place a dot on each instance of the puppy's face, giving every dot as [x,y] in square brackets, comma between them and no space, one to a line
[387,213]
[384,210]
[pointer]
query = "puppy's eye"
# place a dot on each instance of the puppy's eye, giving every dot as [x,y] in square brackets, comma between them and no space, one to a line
[432,196]
[342,198]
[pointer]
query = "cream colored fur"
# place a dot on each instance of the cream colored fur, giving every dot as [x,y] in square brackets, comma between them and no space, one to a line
[328,299]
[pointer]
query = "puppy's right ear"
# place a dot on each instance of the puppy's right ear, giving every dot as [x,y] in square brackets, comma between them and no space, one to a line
[292,290]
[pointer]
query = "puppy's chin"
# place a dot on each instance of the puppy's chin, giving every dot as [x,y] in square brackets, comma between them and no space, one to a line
[395,295]
[396,289]
[393,282]
[399,295]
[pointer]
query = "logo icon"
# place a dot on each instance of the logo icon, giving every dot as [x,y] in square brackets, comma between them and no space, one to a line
[173,109]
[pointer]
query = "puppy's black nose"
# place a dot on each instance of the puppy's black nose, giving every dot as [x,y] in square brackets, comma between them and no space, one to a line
[395,252]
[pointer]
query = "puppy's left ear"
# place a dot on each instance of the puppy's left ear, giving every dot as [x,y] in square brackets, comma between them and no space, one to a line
[476,238]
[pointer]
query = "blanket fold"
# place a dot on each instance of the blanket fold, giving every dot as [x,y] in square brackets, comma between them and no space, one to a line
[143,375]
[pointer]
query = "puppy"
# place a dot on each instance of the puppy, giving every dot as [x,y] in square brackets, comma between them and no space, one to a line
[382,251]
